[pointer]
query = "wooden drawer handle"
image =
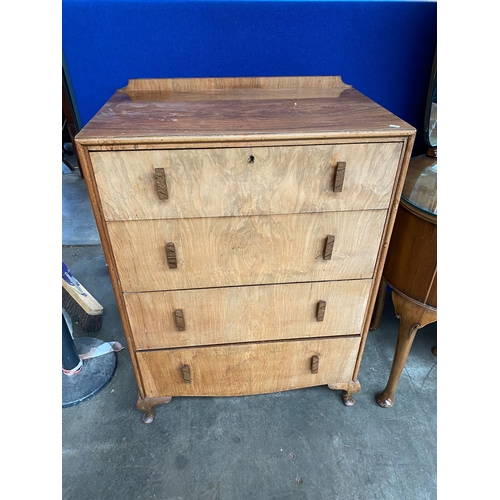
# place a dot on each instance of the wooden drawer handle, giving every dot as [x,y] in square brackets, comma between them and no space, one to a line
[314,364]
[171,257]
[186,374]
[161,184]
[179,320]
[327,252]
[338,177]
[320,311]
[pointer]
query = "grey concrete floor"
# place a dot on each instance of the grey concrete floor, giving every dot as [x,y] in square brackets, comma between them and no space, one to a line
[301,444]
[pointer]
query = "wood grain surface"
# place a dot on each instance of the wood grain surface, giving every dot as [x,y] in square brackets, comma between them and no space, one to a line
[247,313]
[230,251]
[245,181]
[244,369]
[237,184]
[342,112]
[411,263]
[196,85]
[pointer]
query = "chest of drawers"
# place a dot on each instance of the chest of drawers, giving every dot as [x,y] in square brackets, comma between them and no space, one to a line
[245,224]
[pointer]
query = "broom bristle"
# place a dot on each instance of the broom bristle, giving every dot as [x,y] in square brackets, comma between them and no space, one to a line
[85,321]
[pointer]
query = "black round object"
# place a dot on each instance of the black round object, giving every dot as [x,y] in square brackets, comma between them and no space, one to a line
[92,378]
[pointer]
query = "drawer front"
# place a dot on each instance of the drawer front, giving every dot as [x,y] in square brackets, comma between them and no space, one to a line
[244,181]
[236,370]
[246,314]
[230,251]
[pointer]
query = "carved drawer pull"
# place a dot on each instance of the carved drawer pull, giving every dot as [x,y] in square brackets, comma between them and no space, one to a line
[320,311]
[171,257]
[161,184]
[186,374]
[338,177]
[179,320]
[327,253]
[314,364]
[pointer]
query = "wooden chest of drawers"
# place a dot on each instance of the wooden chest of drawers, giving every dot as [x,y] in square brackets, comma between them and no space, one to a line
[245,224]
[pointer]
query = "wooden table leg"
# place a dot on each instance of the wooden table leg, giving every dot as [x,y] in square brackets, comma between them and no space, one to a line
[147,406]
[379,305]
[411,317]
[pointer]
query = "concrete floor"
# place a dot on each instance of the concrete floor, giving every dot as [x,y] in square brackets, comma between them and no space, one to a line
[302,444]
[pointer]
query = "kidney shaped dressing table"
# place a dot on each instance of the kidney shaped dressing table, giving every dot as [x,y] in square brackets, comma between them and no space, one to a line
[411,266]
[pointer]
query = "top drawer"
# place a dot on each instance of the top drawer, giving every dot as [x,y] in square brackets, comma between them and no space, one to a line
[244,181]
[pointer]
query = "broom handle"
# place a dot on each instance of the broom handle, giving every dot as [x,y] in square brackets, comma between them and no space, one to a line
[71,280]
[70,358]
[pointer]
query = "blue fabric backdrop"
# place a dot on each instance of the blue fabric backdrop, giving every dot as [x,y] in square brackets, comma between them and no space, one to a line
[384,49]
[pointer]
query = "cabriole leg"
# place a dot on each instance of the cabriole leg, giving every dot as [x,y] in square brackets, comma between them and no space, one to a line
[412,317]
[348,390]
[147,405]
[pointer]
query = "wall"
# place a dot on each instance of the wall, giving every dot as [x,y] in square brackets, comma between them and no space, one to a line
[383,49]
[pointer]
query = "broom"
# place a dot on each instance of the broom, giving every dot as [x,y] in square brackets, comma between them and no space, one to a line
[84,310]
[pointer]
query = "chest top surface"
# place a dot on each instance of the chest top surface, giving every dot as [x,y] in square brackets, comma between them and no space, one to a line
[224,109]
